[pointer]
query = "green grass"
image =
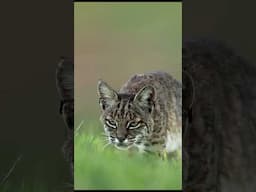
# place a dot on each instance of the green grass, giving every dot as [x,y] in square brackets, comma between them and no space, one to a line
[111,168]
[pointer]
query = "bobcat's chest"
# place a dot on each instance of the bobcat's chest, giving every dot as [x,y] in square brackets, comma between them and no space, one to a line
[173,142]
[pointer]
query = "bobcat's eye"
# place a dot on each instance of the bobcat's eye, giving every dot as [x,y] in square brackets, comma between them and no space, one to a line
[133,125]
[111,123]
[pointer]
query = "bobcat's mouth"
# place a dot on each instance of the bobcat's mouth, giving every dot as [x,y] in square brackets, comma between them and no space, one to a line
[122,146]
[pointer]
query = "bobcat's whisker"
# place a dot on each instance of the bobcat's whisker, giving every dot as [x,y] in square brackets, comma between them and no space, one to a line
[106,145]
[131,140]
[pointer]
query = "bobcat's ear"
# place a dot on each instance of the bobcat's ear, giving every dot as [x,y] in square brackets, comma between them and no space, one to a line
[146,97]
[107,96]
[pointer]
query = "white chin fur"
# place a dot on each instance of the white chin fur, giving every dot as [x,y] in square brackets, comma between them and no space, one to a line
[123,148]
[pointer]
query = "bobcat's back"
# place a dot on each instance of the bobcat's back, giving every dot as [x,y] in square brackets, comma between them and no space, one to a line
[168,104]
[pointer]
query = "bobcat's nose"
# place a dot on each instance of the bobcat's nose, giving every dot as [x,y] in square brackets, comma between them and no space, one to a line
[121,139]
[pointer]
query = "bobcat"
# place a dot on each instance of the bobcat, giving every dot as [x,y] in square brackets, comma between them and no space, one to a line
[219,103]
[145,114]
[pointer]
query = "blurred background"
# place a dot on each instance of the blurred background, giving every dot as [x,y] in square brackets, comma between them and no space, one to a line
[113,41]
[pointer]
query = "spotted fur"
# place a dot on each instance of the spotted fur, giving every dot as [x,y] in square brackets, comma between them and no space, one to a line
[144,114]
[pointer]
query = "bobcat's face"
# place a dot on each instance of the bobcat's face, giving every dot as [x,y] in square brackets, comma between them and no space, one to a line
[126,118]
